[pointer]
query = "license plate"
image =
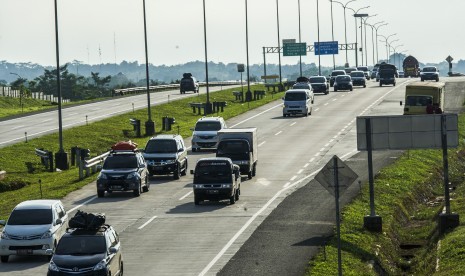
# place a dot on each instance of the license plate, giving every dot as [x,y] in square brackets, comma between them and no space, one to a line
[24,252]
[116,187]
[213,192]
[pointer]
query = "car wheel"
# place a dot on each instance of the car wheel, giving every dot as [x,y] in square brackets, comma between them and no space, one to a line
[254,170]
[238,192]
[121,269]
[177,172]
[146,188]
[184,172]
[335,89]
[194,149]
[196,200]
[422,79]
[249,175]
[137,192]
[364,85]
[306,112]
[380,84]
[100,193]
[4,259]
[351,89]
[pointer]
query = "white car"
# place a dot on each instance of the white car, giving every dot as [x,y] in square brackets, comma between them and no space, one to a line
[205,133]
[33,227]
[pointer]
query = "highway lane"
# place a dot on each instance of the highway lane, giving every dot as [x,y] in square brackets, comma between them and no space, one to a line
[163,233]
[13,131]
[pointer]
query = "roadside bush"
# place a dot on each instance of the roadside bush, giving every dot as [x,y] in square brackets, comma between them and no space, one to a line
[11,185]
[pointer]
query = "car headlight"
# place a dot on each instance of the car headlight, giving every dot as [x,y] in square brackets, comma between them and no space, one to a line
[53,267]
[132,175]
[226,186]
[46,235]
[198,186]
[4,235]
[102,176]
[243,162]
[101,265]
[171,161]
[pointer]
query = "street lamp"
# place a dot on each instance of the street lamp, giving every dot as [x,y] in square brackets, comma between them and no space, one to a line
[376,28]
[345,26]
[365,29]
[356,36]
[386,41]
[373,38]
[61,157]
[300,39]
[149,124]
[389,48]
[208,107]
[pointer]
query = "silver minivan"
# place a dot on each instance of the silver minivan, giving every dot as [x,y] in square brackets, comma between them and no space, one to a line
[33,227]
[298,101]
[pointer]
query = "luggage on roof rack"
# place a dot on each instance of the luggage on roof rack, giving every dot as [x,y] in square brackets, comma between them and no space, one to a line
[88,221]
[124,145]
[187,75]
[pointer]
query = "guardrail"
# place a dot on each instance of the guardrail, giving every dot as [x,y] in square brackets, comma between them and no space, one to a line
[90,165]
[136,90]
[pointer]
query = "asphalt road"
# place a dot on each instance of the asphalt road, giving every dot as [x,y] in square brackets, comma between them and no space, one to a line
[32,126]
[164,233]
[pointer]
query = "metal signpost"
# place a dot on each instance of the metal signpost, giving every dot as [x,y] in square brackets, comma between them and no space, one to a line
[449,60]
[336,177]
[400,132]
[326,48]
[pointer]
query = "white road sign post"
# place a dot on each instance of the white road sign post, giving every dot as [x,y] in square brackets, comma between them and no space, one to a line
[336,177]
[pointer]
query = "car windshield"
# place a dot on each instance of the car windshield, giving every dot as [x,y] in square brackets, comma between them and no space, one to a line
[213,172]
[161,146]
[337,73]
[357,74]
[429,69]
[317,80]
[81,245]
[208,126]
[122,161]
[343,78]
[31,217]
[418,100]
[295,96]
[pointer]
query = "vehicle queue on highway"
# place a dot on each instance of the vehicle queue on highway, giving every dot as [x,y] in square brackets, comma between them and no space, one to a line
[128,168]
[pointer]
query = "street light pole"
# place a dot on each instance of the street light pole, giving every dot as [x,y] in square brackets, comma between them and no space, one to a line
[332,33]
[279,45]
[248,94]
[365,29]
[377,49]
[208,107]
[300,39]
[345,27]
[388,45]
[149,124]
[373,38]
[391,48]
[318,32]
[356,35]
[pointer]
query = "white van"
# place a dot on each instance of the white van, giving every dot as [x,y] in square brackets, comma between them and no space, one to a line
[298,101]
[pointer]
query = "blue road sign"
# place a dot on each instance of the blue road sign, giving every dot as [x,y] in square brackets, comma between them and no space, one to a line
[326,48]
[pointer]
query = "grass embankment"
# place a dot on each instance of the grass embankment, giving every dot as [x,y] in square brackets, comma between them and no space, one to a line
[12,106]
[98,137]
[409,197]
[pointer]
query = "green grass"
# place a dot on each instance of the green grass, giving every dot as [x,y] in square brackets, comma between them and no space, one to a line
[99,137]
[408,196]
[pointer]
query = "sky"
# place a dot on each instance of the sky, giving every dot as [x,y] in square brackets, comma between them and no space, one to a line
[110,31]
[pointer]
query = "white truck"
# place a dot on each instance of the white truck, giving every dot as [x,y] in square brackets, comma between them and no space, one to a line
[240,144]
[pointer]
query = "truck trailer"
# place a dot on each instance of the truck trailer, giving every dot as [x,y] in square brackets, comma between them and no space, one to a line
[411,67]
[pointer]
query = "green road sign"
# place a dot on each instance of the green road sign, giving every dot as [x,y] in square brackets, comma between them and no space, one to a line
[295,49]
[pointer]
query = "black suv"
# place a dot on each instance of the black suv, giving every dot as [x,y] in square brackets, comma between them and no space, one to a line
[123,170]
[88,252]
[188,83]
[319,84]
[333,76]
[166,154]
